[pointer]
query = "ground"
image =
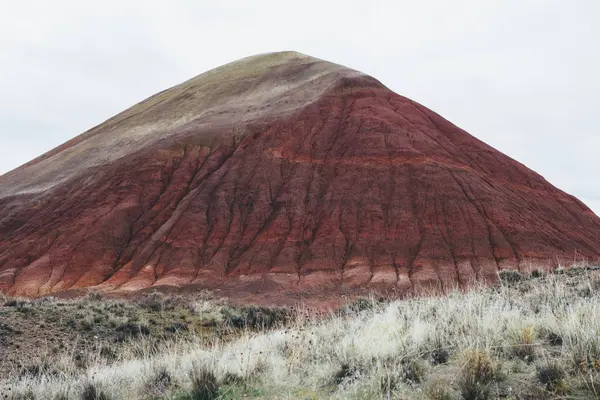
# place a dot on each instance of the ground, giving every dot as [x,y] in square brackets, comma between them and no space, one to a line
[528,337]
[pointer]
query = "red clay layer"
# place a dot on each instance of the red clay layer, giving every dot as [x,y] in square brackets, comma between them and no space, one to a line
[357,188]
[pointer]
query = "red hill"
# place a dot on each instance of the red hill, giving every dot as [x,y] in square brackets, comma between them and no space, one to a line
[276,174]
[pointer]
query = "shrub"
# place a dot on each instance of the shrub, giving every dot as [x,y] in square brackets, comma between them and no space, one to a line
[94,296]
[440,355]
[37,370]
[11,303]
[176,327]
[575,271]
[510,276]
[536,273]
[476,376]
[231,378]
[152,302]
[108,353]
[129,329]
[555,339]
[552,376]
[159,382]
[24,307]
[28,395]
[389,382]
[157,302]
[91,392]
[255,317]
[586,355]
[438,390]
[523,346]
[346,373]
[414,370]
[87,323]
[359,305]
[204,385]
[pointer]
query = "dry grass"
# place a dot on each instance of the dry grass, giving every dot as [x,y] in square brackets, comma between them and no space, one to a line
[530,338]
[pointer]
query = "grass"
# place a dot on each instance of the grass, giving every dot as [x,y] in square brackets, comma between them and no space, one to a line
[532,337]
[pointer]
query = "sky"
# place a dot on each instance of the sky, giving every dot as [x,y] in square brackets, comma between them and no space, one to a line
[521,75]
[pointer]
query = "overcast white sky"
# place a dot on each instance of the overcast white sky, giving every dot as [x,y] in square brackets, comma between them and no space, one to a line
[522,75]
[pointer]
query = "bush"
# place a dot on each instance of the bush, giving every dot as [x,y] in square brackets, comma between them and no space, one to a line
[414,371]
[204,385]
[345,373]
[231,378]
[28,395]
[87,323]
[255,317]
[555,339]
[11,303]
[476,376]
[438,391]
[159,382]
[176,327]
[44,367]
[156,302]
[389,382]
[360,305]
[553,377]
[438,356]
[94,296]
[129,329]
[91,392]
[523,347]
[510,276]
[536,273]
[586,356]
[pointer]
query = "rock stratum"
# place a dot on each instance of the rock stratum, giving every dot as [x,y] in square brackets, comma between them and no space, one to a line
[280,173]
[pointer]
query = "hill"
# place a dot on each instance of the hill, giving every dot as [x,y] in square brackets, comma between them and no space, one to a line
[274,176]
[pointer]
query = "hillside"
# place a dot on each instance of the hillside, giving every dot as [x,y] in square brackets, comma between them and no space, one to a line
[275,178]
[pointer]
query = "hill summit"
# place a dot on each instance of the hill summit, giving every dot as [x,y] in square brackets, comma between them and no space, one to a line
[274,175]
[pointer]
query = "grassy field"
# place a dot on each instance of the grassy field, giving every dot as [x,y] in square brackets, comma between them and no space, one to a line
[531,337]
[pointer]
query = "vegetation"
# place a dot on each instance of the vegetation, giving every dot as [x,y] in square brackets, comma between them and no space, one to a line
[530,337]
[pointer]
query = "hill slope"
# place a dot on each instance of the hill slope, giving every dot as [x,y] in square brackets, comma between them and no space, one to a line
[280,172]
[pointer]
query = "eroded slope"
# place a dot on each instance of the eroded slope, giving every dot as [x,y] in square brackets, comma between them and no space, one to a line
[282,173]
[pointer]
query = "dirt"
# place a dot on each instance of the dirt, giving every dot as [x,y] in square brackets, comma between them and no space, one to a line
[52,334]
